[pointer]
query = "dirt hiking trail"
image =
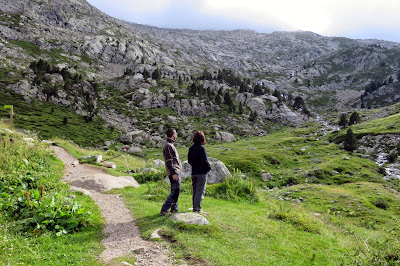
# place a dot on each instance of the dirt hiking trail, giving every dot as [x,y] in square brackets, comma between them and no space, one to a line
[122,234]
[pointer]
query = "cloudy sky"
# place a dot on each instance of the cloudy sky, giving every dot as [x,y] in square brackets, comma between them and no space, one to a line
[363,19]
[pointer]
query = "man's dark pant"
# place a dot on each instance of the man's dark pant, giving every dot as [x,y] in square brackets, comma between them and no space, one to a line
[172,200]
[199,189]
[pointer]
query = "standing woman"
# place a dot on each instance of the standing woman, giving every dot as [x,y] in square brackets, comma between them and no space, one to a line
[197,158]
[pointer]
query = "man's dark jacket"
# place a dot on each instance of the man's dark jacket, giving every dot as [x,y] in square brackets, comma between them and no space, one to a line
[197,158]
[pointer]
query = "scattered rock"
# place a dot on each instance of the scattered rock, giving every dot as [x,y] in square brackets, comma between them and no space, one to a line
[217,174]
[158,163]
[108,164]
[224,136]
[139,250]
[266,176]
[134,149]
[156,234]
[97,158]
[190,218]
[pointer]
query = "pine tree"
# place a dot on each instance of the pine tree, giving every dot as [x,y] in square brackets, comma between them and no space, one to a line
[228,99]
[146,74]
[217,99]
[240,108]
[220,91]
[350,141]
[354,118]
[298,103]
[343,121]
[180,81]
[253,116]
[156,75]
[193,89]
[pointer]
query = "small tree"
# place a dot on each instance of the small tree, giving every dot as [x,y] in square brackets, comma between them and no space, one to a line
[217,99]
[253,116]
[343,121]
[146,74]
[228,99]
[180,82]
[354,118]
[298,103]
[240,111]
[156,75]
[350,141]
[193,89]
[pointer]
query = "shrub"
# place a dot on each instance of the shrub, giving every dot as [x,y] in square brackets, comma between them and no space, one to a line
[381,204]
[153,175]
[234,188]
[32,196]
[392,157]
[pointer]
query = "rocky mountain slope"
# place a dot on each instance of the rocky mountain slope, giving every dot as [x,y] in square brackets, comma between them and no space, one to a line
[140,78]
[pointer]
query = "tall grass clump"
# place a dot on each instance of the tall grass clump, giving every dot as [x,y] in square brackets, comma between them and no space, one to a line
[234,188]
[283,212]
[32,197]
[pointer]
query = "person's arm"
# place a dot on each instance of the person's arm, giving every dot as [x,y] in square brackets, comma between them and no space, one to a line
[169,159]
[206,163]
[190,159]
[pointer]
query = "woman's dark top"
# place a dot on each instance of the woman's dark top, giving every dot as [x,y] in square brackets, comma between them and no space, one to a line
[197,158]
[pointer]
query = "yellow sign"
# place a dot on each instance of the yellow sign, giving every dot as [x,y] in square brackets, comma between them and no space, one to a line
[7,106]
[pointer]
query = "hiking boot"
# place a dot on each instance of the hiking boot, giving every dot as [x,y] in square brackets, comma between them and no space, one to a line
[164,213]
[201,212]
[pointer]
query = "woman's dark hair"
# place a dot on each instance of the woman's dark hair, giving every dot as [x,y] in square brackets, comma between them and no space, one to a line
[199,138]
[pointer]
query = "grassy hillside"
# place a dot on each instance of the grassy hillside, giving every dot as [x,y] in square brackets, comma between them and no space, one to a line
[40,224]
[49,120]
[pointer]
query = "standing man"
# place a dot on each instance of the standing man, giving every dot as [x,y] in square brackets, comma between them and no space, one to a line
[173,167]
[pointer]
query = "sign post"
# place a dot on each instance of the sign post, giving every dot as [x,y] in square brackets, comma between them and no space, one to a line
[11,107]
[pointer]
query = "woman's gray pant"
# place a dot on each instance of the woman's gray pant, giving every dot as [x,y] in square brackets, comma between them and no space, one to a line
[199,188]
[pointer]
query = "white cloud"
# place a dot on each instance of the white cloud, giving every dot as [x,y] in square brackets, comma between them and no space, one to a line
[132,6]
[321,16]
[327,17]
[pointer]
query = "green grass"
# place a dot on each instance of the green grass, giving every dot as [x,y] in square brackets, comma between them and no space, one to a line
[273,232]
[385,125]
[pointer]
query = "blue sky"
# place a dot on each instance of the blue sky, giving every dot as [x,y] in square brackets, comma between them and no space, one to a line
[363,19]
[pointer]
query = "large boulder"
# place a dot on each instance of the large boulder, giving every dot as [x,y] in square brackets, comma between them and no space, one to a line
[132,135]
[224,136]
[134,150]
[217,173]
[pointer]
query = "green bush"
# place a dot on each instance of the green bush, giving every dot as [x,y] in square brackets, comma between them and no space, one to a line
[381,204]
[234,188]
[32,196]
[150,176]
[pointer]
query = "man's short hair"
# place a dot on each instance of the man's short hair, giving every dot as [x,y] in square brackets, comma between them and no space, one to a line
[170,132]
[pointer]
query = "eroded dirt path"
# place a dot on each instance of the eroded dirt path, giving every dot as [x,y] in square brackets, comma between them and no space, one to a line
[123,236]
